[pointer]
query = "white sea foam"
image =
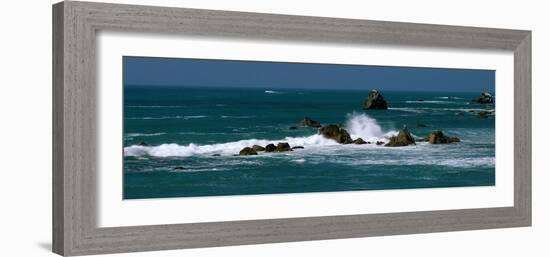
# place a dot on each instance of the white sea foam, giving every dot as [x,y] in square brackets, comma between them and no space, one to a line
[407,109]
[365,127]
[430,102]
[454,162]
[272,92]
[358,125]
[156,106]
[167,150]
[178,117]
[144,134]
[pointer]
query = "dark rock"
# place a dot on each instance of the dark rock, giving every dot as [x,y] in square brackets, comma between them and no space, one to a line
[179,168]
[359,141]
[375,101]
[471,111]
[307,122]
[420,100]
[258,148]
[143,143]
[484,98]
[248,151]
[420,125]
[483,114]
[336,133]
[437,137]
[216,154]
[297,147]
[270,148]
[379,142]
[283,147]
[292,127]
[403,138]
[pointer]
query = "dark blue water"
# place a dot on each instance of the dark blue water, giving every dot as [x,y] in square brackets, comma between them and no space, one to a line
[185,127]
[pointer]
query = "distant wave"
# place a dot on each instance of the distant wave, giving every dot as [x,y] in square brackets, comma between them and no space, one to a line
[431,102]
[178,117]
[406,109]
[466,162]
[155,106]
[449,97]
[144,134]
[358,125]
[427,109]
[272,92]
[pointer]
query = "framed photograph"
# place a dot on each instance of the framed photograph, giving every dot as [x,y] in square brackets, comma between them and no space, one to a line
[181,128]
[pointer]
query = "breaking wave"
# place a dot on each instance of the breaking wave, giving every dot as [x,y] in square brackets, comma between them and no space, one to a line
[358,125]
[272,92]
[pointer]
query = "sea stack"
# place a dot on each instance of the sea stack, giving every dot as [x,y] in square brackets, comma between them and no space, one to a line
[375,101]
[437,137]
[336,133]
[283,147]
[248,151]
[484,98]
[307,122]
[404,138]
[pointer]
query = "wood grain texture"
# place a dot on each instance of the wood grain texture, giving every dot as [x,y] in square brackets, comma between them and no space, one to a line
[75,25]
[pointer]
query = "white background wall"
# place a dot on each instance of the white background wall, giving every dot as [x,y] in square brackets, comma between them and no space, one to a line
[25,127]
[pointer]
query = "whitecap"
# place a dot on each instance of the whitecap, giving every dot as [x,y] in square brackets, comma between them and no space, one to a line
[299,160]
[178,117]
[406,109]
[429,102]
[358,125]
[272,92]
[365,127]
[144,134]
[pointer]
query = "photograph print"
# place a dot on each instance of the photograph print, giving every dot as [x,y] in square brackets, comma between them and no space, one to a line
[204,127]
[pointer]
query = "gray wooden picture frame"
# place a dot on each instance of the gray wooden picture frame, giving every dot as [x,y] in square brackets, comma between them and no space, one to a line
[75,25]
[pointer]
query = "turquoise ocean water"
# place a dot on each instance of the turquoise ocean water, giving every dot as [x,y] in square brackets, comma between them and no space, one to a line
[184,127]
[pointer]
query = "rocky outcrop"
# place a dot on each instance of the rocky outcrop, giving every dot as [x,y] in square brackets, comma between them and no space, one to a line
[283,147]
[258,148]
[248,151]
[270,148]
[143,143]
[375,101]
[336,133]
[307,122]
[437,137]
[297,147]
[359,141]
[403,138]
[484,98]
[379,142]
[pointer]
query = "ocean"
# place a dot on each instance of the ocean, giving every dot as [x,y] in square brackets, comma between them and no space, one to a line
[189,138]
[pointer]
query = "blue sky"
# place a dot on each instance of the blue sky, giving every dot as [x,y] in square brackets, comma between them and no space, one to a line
[280,75]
